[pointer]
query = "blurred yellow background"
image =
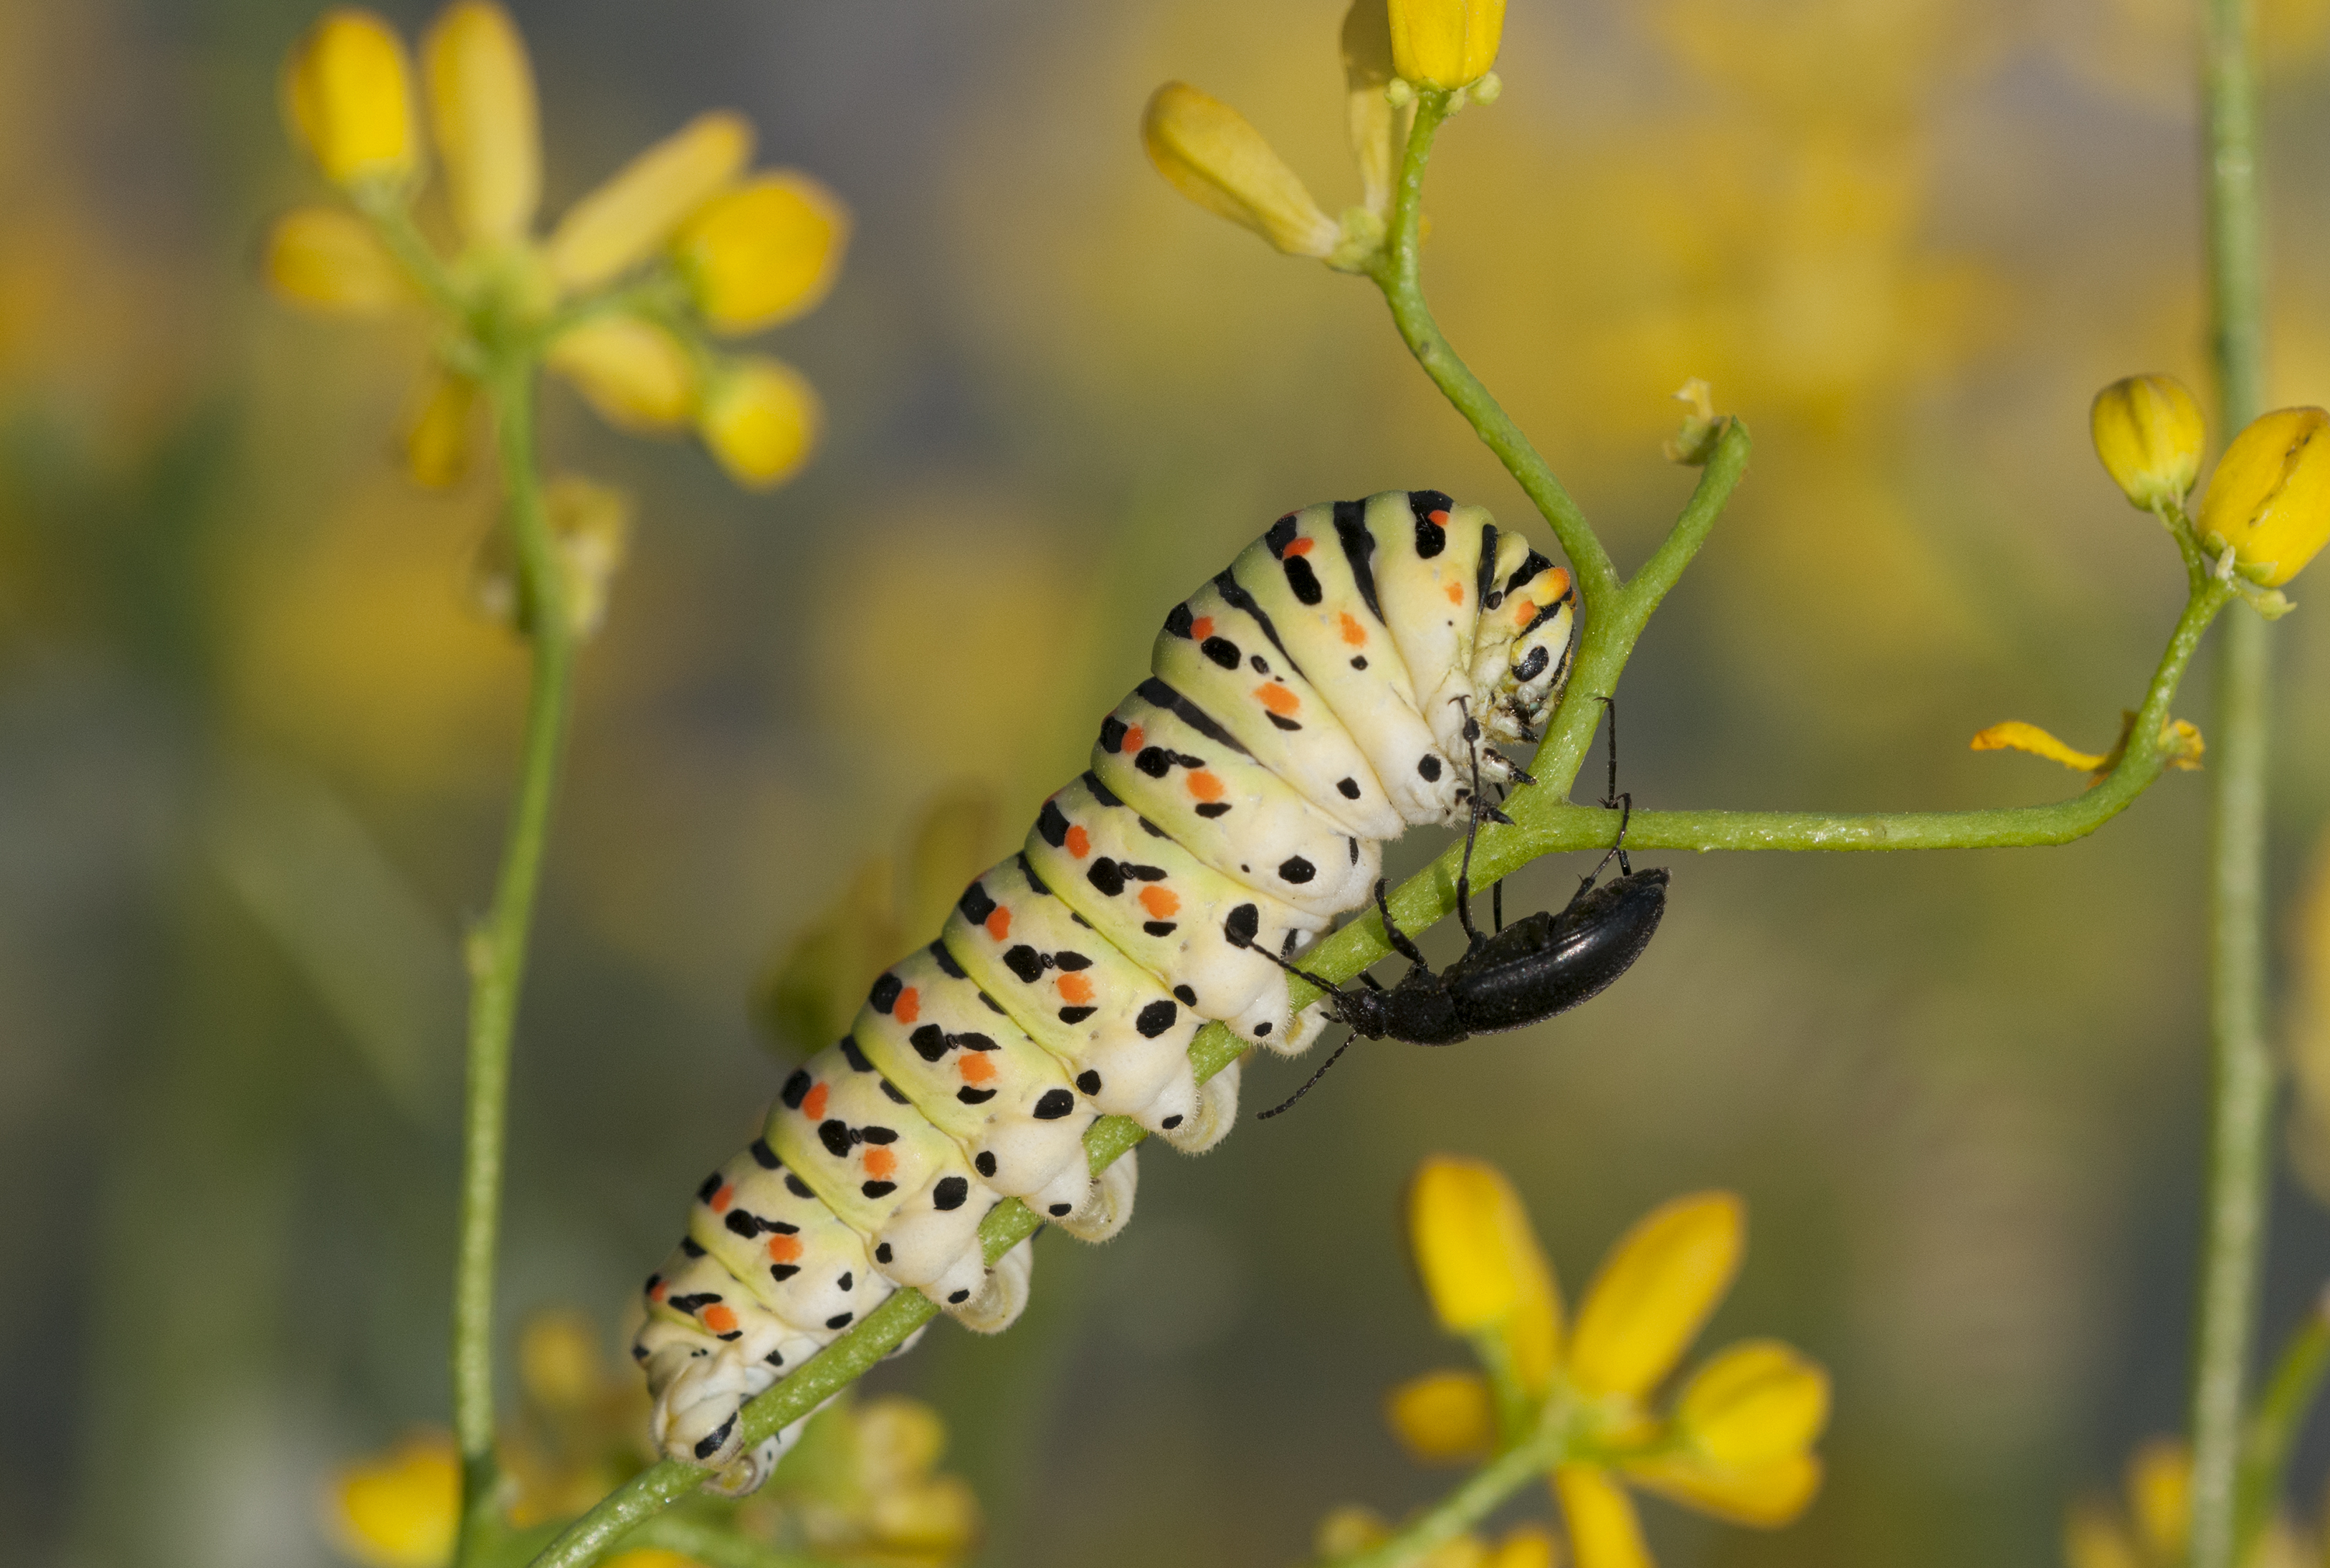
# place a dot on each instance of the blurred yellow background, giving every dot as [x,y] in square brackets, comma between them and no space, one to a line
[254,746]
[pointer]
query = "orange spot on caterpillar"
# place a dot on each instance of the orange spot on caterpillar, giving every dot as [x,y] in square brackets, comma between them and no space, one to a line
[813,1104]
[1079,841]
[1300,548]
[1524,612]
[1205,785]
[1557,583]
[909,1006]
[1132,738]
[723,1198]
[661,1288]
[1162,903]
[1277,698]
[1202,627]
[881,1163]
[1456,593]
[974,1067]
[999,925]
[784,1248]
[720,1317]
[1437,519]
[1353,633]
[1075,990]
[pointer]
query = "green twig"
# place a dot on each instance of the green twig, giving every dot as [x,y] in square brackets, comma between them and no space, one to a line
[2241,1070]
[496,947]
[716,1546]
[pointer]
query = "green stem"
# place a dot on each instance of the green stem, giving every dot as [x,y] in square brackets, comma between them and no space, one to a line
[1471,1503]
[496,947]
[2242,1068]
[717,1546]
[2280,1415]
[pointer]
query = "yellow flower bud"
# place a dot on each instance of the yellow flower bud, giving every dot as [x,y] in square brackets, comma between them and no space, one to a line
[348,98]
[1752,1405]
[1654,1292]
[1467,1229]
[1443,1417]
[1604,1531]
[2269,498]
[1207,152]
[481,107]
[628,219]
[652,1557]
[2094,1538]
[1765,1496]
[2149,434]
[935,1519]
[899,1440]
[1348,1530]
[1528,1546]
[398,1511]
[558,1363]
[760,418]
[2160,1496]
[1445,43]
[764,252]
[328,259]
[633,372]
[436,428]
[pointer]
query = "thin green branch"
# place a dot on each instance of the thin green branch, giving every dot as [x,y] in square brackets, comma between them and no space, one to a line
[496,949]
[2241,1067]
[2281,1413]
[717,1546]
[1470,1503]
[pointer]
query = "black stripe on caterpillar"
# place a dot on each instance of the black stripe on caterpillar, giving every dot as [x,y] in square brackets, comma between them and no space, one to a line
[1304,706]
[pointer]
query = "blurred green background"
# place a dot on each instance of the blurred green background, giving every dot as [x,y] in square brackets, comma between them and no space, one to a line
[254,750]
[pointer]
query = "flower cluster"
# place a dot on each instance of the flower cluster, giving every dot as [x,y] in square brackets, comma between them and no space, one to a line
[622,296]
[2152,1526]
[1735,1438]
[1209,153]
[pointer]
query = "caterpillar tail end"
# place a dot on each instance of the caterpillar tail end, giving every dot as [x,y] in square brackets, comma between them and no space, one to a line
[997,1305]
[1108,1207]
[1217,1113]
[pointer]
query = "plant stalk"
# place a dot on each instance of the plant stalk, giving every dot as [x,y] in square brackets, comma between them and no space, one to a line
[496,947]
[2241,1067]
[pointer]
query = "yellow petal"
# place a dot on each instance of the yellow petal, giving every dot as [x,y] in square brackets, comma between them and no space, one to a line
[1530,1546]
[398,1511]
[1603,1530]
[1443,1417]
[2269,498]
[328,259]
[1753,1403]
[651,1557]
[1654,1292]
[1765,1496]
[1376,129]
[2016,735]
[481,107]
[760,418]
[1207,152]
[628,219]
[1466,1551]
[349,98]
[1348,1530]
[934,1519]
[2149,434]
[1468,1232]
[2094,1538]
[633,372]
[436,428]
[899,1440]
[764,252]
[1445,43]
[2160,1496]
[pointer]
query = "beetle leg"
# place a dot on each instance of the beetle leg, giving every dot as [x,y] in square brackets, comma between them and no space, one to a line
[1497,903]
[1472,828]
[1370,981]
[1396,937]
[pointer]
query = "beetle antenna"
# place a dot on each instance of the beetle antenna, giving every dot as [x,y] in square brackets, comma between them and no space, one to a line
[1321,981]
[1314,1078]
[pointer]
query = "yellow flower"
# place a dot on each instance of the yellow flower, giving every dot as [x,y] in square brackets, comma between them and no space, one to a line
[349,98]
[760,418]
[1207,152]
[2149,434]
[2155,1529]
[1445,43]
[764,252]
[690,249]
[2270,498]
[1736,1439]
[398,1511]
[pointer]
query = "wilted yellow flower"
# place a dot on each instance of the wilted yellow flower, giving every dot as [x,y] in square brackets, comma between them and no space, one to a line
[2149,433]
[481,107]
[328,259]
[764,252]
[628,219]
[349,98]
[398,1511]
[1445,43]
[760,418]
[590,532]
[1207,152]
[1376,128]
[1443,1417]
[2270,498]
[635,372]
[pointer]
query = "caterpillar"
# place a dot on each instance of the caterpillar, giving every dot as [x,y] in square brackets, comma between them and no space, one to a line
[1338,683]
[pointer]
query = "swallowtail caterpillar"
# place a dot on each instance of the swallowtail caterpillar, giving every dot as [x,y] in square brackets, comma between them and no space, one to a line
[1340,683]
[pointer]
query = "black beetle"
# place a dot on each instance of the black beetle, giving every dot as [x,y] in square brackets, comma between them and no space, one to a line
[1544,963]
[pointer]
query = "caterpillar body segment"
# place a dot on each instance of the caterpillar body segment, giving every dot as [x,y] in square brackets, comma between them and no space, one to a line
[1328,690]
